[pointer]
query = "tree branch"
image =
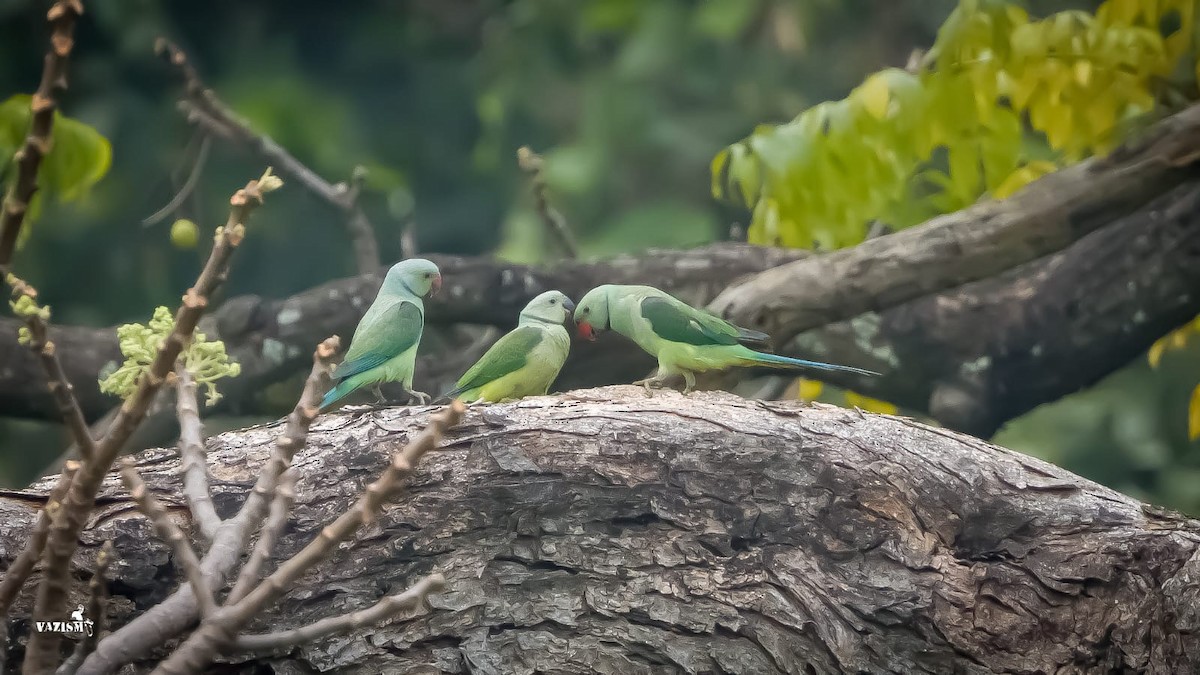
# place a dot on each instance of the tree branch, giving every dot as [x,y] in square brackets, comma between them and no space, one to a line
[976,243]
[170,617]
[531,163]
[22,565]
[202,108]
[217,632]
[97,609]
[61,16]
[603,531]
[192,457]
[42,650]
[281,505]
[170,533]
[381,611]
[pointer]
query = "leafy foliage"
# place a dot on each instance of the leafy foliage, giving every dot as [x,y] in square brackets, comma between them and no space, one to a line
[206,361]
[79,156]
[1177,340]
[998,101]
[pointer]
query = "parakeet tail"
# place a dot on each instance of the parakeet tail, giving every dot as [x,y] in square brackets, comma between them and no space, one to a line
[777,361]
[341,389]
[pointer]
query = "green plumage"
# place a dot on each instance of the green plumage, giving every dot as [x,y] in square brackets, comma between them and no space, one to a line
[525,361]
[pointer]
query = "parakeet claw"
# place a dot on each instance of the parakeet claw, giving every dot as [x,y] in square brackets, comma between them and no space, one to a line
[419,396]
[379,397]
[649,382]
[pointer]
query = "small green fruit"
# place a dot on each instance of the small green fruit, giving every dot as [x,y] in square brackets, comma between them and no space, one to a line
[184,233]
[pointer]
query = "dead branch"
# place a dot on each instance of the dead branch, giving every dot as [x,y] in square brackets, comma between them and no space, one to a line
[42,650]
[61,17]
[188,186]
[531,163]
[203,108]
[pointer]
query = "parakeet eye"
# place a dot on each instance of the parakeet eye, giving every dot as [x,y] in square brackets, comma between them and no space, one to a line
[553,302]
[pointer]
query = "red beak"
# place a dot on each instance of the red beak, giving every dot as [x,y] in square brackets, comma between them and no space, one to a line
[586,332]
[437,286]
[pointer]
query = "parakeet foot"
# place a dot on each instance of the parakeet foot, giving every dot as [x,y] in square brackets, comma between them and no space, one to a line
[648,383]
[689,381]
[379,397]
[419,396]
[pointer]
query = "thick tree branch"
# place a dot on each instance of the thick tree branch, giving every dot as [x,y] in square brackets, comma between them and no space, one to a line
[203,109]
[601,531]
[97,610]
[61,16]
[976,243]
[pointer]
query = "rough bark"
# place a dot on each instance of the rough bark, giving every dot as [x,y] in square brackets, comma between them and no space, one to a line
[605,532]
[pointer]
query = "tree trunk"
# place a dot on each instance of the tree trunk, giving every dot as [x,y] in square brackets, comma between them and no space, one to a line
[601,531]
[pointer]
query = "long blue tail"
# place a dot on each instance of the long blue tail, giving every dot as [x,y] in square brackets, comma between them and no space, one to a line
[777,361]
[341,389]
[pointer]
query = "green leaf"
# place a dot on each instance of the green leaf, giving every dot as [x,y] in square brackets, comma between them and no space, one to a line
[79,156]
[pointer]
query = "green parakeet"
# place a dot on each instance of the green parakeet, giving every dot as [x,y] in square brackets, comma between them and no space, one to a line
[527,359]
[685,340]
[384,347]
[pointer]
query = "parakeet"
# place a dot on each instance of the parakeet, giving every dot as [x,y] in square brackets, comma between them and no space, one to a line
[685,340]
[384,347]
[527,359]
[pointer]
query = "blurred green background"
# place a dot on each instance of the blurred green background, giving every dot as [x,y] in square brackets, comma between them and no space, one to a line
[628,100]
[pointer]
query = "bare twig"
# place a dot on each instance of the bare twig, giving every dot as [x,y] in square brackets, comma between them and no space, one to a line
[170,617]
[170,533]
[22,566]
[97,609]
[59,384]
[42,650]
[193,461]
[531,163]
[62,17]
[281,505]
[217,632]
[203,109]
[188,186]
[381,611]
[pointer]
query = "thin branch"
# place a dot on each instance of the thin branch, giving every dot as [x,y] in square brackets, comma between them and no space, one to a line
[97,609]
[62,17]
[178,612]
[42,650]
[22,566]
[277,517]
[193,461]
[381,611]
[60,386]
[219,630]
[170,533]
[189,185]
[202,108]
[531,163]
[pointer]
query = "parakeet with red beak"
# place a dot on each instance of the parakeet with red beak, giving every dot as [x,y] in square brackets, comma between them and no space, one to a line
[384,347]
[685,340]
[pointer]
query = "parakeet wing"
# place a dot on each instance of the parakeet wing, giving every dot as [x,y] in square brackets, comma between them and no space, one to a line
[677,322]
[510,353]
[396,330]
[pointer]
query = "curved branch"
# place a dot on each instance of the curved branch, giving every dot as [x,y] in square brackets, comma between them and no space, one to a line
[706,533]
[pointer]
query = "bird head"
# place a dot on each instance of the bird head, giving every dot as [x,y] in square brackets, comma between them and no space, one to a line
[591,316]
[417,276]
[549,307]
